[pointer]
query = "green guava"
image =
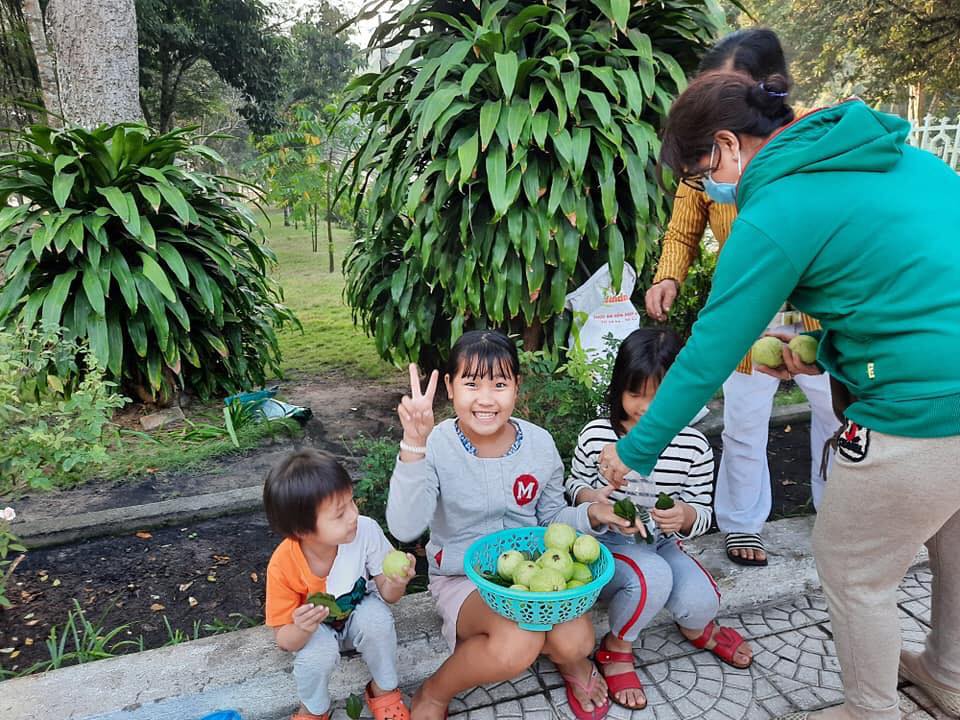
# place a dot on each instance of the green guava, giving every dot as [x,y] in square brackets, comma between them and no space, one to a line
[560,536]
[521,588]
[524,572]
[507,563]
[559,560]
[806,347]
[767,351]
[396,564]
[547,580]
[586,549]
[582,573]
[575,584]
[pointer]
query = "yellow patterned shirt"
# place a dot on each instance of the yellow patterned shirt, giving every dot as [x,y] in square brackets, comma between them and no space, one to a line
[693,210]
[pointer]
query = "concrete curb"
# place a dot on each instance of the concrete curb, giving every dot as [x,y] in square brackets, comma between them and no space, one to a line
[118,521]
[121,520]
[245,671]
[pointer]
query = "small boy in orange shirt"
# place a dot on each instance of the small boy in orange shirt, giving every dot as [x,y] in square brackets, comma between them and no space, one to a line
[329,547]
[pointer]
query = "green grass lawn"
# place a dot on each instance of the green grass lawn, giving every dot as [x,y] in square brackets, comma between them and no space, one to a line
[329,341]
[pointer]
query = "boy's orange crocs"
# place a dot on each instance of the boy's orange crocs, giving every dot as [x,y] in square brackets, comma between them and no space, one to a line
[389,706]
[303,714]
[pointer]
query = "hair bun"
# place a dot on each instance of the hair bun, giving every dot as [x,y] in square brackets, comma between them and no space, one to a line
[769,96]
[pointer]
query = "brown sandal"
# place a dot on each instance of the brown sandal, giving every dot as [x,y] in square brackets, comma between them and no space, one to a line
[304,714]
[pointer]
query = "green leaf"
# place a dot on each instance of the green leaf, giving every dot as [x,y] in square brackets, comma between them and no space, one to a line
[151,195]
[571,87]
[517,120]
[57,297]
[99,338]
[563,145]
[558,290]
[467,155]
[61,162]
[470,78]
[174,261]
[433,108]
[489,115]
[600,105]
[94,290]
[155,274]
[507,66]
[175,200]
[74,232]
[118,202]
[13,291]
[62,185]
[539,124]
[631,86]
[147,235]
[496,165]
[30,309]
[154,301]
[580,149]
[39,241]
[615,254]
[673,68]
[621,12]
[138,335]
[124,278]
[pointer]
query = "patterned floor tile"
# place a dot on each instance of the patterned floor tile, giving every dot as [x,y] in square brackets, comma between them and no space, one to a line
[914,594]
[923,701]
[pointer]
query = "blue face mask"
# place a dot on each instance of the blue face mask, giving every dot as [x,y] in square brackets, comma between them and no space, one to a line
[724,193]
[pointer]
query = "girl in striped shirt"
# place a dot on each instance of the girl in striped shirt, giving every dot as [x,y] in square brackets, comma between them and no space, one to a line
[650,576]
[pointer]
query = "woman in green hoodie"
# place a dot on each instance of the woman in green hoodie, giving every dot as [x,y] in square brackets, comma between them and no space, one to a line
[837,215]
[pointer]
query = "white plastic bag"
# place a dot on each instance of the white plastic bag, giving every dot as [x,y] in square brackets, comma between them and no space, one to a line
[599,311]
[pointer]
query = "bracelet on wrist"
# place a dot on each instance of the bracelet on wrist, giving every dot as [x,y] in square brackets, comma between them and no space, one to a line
[415,449]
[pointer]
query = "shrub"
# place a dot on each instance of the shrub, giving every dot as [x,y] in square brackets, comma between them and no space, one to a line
[8,543]
[510,153]
[159,268]
[51,429]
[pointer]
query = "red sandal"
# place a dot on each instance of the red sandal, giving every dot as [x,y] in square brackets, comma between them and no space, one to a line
[624,681]
[727,640]
[569,682]
[306,715]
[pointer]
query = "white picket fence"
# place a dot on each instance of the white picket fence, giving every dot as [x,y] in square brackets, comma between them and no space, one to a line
[941,136]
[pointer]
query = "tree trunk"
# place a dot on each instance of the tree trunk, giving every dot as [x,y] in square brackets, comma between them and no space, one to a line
[97,67]
[915,103]
[45,64]
[329,209]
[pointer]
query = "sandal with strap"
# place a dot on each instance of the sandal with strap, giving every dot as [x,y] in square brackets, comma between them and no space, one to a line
[628,680]
[569,682]
[745,541]
[727,642]
[389,706]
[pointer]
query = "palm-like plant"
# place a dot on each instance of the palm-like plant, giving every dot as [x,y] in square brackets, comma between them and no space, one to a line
[511,153]
[160,268]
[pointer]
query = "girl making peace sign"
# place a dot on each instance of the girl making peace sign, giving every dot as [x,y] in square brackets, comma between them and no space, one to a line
[470,476]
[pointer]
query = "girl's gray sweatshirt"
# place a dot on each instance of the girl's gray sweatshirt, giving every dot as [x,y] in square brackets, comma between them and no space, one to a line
[462,497]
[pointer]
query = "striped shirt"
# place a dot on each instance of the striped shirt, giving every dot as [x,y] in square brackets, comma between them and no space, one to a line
[684,471]
[692,211]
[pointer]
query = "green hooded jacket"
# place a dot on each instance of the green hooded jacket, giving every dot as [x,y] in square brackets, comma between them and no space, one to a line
[839,216]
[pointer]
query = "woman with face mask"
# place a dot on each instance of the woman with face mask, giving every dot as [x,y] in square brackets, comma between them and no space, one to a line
[838,215]
[743,494]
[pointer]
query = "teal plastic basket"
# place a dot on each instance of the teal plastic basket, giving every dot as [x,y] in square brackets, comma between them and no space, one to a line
[538,611]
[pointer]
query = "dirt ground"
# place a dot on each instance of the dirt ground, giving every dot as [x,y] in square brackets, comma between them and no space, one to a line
[209,576]
[343,410]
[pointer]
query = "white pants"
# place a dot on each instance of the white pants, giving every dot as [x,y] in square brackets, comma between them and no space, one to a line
[743,496]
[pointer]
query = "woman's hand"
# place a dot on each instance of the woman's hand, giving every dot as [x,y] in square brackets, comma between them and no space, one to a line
[416,413]
[792,364]
[660,297]
[611,467]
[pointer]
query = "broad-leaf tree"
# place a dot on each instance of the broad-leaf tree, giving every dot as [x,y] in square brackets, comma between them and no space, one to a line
[511,153]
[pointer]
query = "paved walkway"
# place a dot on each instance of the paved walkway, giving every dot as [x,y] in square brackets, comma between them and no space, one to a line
[794,669]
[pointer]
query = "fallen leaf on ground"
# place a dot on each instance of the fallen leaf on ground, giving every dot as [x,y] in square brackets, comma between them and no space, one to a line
[157,607]
[185,586]
[56,582]
[787,429]
[254,577]
[788,482]
[144,535]
[221,559]
[211,578]
[192,601]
